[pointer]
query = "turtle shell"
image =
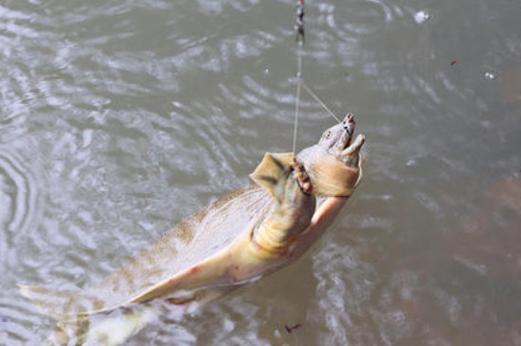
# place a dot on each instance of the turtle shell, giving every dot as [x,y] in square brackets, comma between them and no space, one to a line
[191,242]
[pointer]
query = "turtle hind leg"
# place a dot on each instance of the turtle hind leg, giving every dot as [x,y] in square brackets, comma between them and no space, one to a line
[109,329]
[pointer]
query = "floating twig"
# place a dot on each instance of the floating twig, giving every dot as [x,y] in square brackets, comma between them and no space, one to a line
[290,329]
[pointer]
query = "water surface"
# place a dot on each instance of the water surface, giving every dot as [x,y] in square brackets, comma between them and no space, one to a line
[119,118]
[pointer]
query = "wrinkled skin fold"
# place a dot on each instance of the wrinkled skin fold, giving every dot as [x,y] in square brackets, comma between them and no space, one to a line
[239,238]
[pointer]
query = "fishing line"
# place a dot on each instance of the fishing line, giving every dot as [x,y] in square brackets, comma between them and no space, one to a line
[299,28]
[297,98]
[315,96]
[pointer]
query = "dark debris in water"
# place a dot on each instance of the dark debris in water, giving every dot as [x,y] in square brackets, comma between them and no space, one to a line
[290,329]
[453,62]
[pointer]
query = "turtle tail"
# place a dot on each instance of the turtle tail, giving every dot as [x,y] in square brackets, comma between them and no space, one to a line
[76,321]
[109,329]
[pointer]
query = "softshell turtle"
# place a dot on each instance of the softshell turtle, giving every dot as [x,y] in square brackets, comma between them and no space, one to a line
[240,237]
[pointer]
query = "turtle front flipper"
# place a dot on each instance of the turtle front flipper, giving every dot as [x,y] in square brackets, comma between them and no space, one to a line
[287,182]
[273,172]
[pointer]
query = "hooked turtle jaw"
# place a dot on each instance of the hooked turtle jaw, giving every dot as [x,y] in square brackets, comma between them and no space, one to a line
[348,126]
[338,141]
[334,164]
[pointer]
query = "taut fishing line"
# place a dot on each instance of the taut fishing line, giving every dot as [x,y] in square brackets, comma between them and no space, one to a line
[299,28]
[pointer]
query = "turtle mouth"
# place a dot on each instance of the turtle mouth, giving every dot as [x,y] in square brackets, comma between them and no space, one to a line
[334,164]
[346,149]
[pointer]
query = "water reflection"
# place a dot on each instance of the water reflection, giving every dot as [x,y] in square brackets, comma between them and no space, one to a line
[19,196]
[118,118]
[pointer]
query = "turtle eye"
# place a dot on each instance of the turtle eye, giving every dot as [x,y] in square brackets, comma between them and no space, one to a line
[327,135]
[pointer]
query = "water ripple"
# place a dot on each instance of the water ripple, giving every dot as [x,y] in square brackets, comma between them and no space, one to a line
[355,18]
[15,316]
[19,195]
[144,111]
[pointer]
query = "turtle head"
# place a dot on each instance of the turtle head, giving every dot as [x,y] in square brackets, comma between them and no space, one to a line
[334,164]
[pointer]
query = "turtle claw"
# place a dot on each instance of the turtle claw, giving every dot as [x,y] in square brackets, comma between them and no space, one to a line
[302,177]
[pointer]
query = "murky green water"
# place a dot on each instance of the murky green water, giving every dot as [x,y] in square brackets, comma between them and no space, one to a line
[119,118]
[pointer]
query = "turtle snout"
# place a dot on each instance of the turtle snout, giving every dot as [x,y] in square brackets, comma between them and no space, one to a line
[346,135]
[347,149]
[349,125]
